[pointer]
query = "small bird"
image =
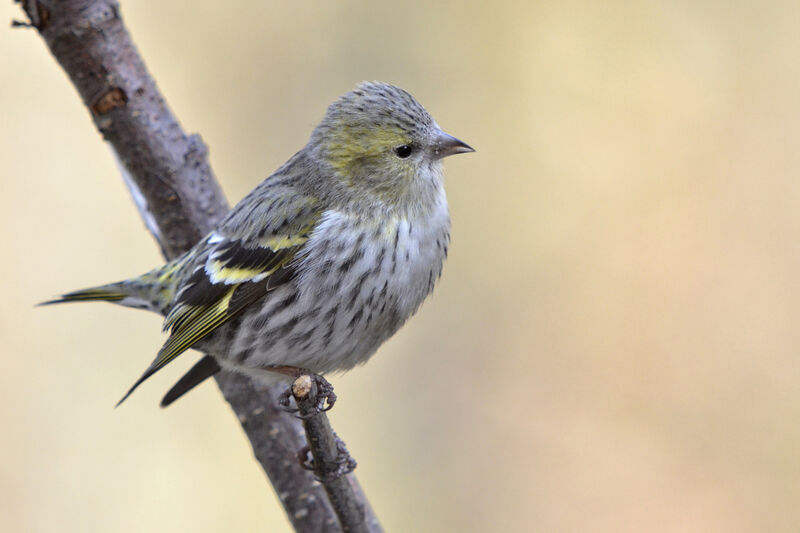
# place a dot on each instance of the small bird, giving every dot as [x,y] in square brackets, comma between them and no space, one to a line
[322,262]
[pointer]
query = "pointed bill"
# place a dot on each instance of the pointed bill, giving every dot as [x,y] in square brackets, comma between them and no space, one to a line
[446,145]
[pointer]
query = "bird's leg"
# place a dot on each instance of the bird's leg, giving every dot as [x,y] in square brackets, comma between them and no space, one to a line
[325,394]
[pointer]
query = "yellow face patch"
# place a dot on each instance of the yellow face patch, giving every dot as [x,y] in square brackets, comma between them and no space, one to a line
[352,143]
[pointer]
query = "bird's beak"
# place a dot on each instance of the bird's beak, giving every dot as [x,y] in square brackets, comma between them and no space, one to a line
[446,145]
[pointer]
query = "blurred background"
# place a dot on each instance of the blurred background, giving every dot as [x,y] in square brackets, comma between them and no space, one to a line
[613,346]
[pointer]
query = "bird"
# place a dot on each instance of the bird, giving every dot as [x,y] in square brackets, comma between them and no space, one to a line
[319,264]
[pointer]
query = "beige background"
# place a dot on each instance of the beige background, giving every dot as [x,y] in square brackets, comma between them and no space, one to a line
[614,344]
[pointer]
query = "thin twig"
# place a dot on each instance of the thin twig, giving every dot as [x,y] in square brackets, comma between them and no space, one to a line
[331,461]
[179,198]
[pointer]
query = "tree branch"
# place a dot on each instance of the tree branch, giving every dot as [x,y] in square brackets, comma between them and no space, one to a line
[175,190]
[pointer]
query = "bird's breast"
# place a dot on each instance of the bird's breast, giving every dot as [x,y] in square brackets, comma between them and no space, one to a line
[368,275]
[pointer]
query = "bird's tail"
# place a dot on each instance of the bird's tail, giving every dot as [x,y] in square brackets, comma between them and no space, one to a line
[112,292]
[153,291]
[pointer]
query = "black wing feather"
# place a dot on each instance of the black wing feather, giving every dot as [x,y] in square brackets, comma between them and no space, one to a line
[202,370]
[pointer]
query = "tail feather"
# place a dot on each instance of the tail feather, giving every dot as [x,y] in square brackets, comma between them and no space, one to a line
[105,293]
[203,369]
[152,291]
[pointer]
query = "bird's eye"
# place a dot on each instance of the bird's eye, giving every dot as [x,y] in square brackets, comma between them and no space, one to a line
[403,151]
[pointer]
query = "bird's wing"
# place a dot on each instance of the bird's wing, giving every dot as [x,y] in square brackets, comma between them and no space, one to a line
[248,255]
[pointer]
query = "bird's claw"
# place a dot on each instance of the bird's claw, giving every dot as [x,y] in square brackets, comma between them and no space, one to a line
[285,401]
[344,463]
[325,398]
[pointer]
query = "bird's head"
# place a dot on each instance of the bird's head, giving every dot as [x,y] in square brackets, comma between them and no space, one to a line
[382,145]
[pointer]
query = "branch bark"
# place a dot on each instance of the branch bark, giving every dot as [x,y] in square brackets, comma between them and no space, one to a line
[330,458]
[175,190]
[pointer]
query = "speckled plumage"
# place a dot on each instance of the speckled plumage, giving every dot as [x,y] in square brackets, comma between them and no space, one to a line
[324,260]
[357,282]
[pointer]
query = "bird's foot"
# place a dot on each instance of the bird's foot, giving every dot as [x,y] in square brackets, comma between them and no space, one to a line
[285,401]
[302,388]
[324,399]
[344,463]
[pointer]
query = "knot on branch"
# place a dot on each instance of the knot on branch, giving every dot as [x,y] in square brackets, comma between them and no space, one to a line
[112,99]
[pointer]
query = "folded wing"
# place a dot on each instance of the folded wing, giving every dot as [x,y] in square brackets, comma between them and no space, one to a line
[234,268]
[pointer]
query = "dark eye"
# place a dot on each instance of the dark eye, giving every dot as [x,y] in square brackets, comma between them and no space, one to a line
[403,151]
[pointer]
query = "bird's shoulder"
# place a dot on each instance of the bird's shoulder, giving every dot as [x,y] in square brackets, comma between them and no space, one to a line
[259,236]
